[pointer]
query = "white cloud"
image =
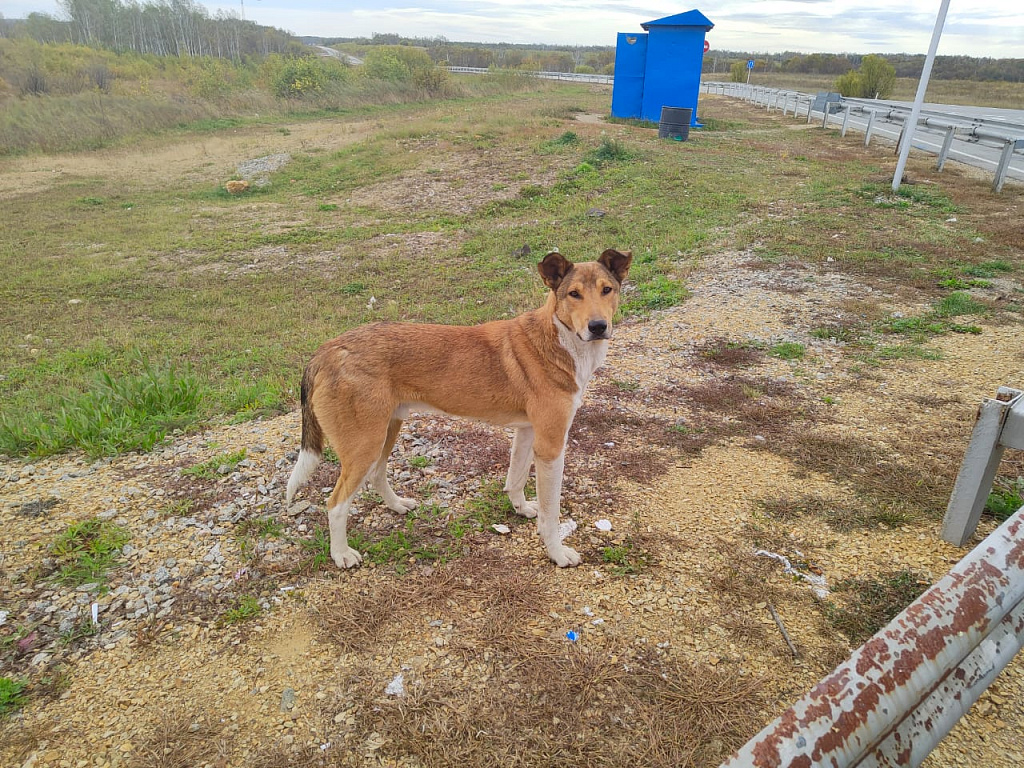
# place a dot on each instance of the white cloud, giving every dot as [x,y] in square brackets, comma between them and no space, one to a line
[995,29]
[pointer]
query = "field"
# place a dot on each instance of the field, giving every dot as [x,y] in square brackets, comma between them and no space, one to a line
[796,371]
[1005,95]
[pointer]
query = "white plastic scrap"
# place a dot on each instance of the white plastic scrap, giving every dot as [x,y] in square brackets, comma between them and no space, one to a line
[501,528]
[603,525]
[397,686]
[818,583]
[566,528]
[95,614]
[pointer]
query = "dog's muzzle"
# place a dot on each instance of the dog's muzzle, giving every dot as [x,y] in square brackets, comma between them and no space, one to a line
[597,329]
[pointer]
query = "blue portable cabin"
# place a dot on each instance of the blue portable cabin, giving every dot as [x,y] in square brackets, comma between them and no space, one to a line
[630,64]
[675,57]
[660,68]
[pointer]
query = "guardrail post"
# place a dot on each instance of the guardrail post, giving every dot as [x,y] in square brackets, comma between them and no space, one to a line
[867,130]
[947,142]
[999,425]
[846,119]
[1004,162]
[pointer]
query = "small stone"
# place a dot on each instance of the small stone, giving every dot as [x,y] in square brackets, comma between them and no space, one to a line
[287,699]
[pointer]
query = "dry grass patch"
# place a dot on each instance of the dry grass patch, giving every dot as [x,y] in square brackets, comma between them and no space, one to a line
[181,739]
[567,705]
[888,483]
[498,596]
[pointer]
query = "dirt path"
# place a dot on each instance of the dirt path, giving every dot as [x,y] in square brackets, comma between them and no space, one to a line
[191,158]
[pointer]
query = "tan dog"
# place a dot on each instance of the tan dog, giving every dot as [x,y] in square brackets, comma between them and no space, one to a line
[528,372]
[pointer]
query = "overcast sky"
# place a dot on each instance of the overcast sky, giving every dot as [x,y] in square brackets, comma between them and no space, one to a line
[990,28]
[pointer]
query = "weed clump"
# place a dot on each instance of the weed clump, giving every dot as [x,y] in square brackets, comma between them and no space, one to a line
[87,550]
[871,603]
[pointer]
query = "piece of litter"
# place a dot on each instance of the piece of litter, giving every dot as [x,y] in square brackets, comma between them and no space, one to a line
[572,636]
[397,686]
[587,611]
[603,525]
[597,622]
[609,445]
[324,747]
[566,528]
[95,614]
[818,582]
[287,589]
[501,528]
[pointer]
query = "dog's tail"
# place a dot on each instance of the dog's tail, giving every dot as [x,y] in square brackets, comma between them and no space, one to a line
[312,446]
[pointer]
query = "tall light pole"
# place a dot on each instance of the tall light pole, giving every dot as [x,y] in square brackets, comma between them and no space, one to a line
[922,86]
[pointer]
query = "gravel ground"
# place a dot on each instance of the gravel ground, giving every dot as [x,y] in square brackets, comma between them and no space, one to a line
[161,645]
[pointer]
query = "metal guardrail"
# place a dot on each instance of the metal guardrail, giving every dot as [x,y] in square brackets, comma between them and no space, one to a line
[902,692]
[579,78]
[1003,135]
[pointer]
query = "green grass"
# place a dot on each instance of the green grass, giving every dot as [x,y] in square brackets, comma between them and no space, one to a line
[86,550]
[245,608]
[221,464]
[1006,498]
[868,604]
[626,559]
[12,695]
[116,414]
[420,462]
[787,350]
[491,505]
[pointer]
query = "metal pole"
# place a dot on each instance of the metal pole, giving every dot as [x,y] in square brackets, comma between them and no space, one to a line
[922,86]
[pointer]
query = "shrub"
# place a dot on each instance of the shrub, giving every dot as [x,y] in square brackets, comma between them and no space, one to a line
[876,78]
[305,76]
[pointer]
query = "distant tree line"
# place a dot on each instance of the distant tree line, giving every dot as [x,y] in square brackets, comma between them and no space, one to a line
[161,27]
[905,65]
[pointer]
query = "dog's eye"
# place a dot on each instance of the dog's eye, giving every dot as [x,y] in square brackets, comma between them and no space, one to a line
[607,290]
[575,294]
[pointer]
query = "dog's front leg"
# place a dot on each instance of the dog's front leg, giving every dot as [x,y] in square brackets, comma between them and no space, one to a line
[519,470]
[549,493]
[337,520]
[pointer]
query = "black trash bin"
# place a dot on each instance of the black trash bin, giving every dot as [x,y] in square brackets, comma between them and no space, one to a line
[675,123]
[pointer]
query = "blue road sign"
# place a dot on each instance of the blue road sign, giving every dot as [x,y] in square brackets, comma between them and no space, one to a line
[750,63]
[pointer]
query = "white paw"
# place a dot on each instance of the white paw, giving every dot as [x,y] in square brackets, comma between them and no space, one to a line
[565,557]
[346,558]
[528,509]
[401,505]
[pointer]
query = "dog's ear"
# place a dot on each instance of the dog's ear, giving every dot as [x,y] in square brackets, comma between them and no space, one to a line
[617,263]
[553,269]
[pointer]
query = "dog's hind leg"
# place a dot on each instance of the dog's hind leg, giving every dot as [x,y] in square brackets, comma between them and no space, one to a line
[519,472]
[379,473]
[304,466]
[358,447]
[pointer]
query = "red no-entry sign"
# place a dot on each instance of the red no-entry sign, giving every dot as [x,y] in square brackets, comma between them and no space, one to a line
[707,46]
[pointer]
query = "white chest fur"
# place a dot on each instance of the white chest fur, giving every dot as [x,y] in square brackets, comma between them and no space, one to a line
[587,356]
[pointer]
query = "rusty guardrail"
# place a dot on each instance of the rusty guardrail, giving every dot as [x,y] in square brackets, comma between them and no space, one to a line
[900,693]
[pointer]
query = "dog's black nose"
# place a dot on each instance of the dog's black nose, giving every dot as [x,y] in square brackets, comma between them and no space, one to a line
[597,328]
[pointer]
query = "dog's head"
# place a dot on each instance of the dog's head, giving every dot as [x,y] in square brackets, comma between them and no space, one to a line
[586,294]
